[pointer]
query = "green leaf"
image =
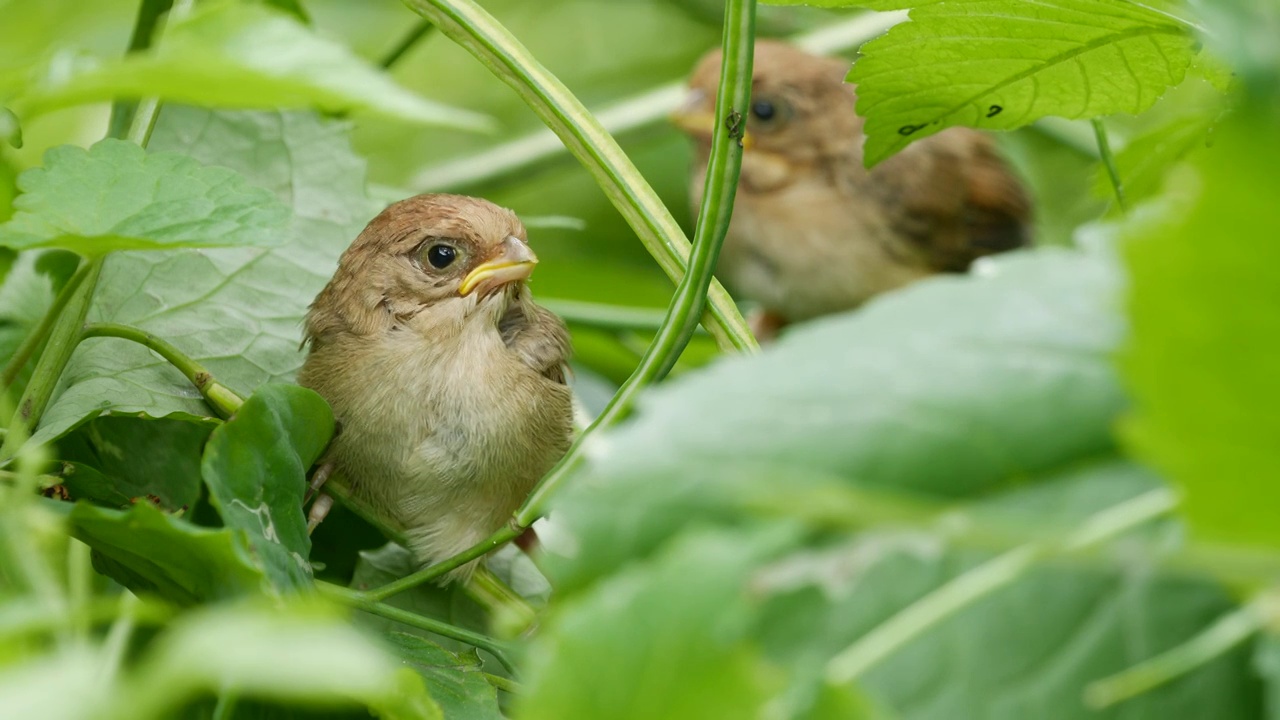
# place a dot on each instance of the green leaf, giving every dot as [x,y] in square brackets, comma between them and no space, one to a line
[455,683]
[118,459]
[255,466]
[150,552]
[1146,161]
[953,387]
[1205,303]
[304,653]
[115,196]
[237,311]
[245,55]
[25,296]
[1002,64]
[666,640]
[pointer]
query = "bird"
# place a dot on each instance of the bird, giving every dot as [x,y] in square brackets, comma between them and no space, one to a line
[448,381]
[813,232]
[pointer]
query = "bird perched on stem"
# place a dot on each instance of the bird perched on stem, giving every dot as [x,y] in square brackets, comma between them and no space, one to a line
[813,231]
[448,381]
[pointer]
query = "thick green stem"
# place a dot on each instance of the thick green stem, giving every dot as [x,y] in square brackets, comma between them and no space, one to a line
[419,31]
[144,27]
[605,317]
[1109,162]
[41,331]
[221,398]
[681,318]
[361,601]
[469,25]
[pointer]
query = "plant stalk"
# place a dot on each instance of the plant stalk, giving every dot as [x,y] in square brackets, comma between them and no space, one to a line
[402,48]
[40,332]
[1109,162]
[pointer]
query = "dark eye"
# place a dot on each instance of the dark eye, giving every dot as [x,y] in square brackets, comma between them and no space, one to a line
[764,110]
[441,256]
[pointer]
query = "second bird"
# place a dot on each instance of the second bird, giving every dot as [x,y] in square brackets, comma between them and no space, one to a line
[813,231]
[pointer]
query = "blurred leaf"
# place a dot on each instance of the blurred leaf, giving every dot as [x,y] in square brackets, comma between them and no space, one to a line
[1145,162]
[255,466]
[150,552]
[230,54]
[1205,304]
[953,387]
[25,296]
[135,458]
[115,196]
[455,683]
[665,640]
[1267,663]
[38,688]
[304,653]
[1001,64]
[237,311]
[8,188]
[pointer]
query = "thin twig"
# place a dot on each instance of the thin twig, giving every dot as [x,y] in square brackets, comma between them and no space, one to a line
[419,31]
[1109,162]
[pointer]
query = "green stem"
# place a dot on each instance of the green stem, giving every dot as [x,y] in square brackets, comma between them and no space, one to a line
[224,400]
[336,486]
[1220,638]
[603,316]
[41,332]
[503,684]
[362,601]
[681,318]
[144,27]
[419,31]
[960,592]
[1109,162]
[469,25]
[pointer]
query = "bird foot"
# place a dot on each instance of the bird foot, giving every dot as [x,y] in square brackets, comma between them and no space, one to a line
[319,511]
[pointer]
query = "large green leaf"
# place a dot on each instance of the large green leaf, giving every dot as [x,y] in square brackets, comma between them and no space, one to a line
[150,552]
[1205,304]
[255,466]
[455,682]
[238,311]
[1001,64]
[245,55]
[667,640]
[115,196]
[953,387]
[116,460]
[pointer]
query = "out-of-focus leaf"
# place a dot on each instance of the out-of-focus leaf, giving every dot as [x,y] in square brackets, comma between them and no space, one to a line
[115,196]
[135,458]
[301,653]
[1267,662]
[237,311]
[1001,64]
[255,466]
[455,682]
[8,188]
[38,688]
[952,387]
[1205,304]
[25,296]
[245,55]
[673,633]
[1144,163]
[150,552]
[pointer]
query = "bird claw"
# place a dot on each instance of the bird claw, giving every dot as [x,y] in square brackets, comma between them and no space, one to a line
[318,479]
[319,511]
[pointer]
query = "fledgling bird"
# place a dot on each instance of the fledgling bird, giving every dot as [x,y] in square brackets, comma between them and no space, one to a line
[813,232]
[448,381]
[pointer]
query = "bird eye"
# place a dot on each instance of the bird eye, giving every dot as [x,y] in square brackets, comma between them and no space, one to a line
[769,113]
[441,256]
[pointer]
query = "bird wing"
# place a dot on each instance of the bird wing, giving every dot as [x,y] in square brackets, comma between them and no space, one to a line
[537,336]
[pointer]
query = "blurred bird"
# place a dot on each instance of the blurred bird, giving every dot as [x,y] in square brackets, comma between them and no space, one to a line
[813,231]
[447,379]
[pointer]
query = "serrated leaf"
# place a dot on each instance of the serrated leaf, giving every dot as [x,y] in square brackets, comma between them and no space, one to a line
[1002,64]
[455,683]
[953,387]
[255,466]
[246,55]
[1205,304]
[237,311]
[150,552]
[115,196]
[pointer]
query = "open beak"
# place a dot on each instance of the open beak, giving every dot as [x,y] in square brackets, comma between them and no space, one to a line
[514,261]
[695,120]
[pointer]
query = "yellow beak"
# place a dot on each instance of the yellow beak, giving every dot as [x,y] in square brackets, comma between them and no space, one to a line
[514,261]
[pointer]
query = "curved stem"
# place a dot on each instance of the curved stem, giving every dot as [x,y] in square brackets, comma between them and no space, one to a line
[469,25]
[223,399]
[1109,162]
[40,332]
[681,318]
[362,601]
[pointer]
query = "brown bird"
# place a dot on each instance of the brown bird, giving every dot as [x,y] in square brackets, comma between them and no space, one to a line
[448,381]
[814,232]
